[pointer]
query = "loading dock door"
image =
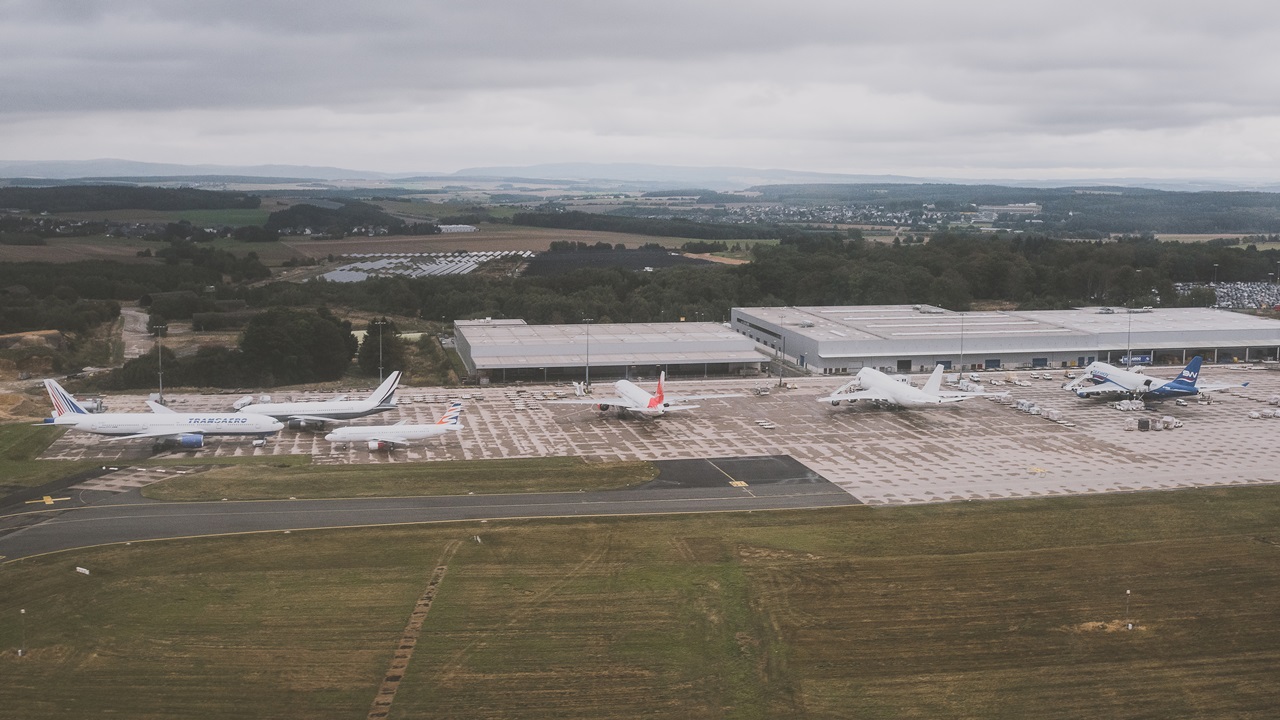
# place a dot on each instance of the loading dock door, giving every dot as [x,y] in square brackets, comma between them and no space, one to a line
[1039,362]
[992,363]
[904,366]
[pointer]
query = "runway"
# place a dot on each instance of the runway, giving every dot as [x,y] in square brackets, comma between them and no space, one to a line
[131,518]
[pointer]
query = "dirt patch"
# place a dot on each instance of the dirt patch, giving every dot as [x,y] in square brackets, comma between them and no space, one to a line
[717,259]
[1102,626]
[748,552]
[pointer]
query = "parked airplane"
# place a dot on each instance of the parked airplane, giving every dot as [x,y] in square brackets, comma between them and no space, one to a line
[883,390]
[632,399]
[166,427]
[390,437]
[316,414]
[1108,379]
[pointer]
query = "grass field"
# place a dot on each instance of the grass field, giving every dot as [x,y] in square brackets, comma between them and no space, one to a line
[250,482]
[20,444]
[1009,609]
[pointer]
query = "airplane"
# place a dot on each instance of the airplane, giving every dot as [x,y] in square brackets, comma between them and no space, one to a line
[1108,379]
[632,399]
[390,437]
[164,426]
[316,414]
[884,391]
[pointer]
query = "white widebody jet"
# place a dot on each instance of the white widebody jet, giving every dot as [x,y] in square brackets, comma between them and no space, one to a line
[161,425]
[316,414]
[1099,378]
[632,399]
[390,437]
[882,390]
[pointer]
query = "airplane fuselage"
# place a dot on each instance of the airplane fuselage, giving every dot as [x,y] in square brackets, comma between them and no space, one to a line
[177,423]
[333,409]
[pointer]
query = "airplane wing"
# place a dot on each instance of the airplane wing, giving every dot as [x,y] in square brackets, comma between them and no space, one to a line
[1106,386]
[158,408]
[1215,388]
[674,408]
[167,433]
[681,398]
[316,418]
[958,395]
[857,395]
[613,402]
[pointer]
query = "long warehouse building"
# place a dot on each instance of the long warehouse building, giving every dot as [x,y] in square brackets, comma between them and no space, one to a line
[913,338]
[508,350]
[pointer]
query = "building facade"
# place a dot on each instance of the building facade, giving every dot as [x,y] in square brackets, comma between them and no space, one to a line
[913,338]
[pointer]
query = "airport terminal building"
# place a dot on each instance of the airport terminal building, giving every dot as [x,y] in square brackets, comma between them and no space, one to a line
[509,350]
[913,338]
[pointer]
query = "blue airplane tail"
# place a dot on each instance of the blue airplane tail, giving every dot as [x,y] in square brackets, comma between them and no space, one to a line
[1190,374]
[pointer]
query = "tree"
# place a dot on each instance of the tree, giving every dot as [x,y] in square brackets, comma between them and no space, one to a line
[393,351]
[297,346]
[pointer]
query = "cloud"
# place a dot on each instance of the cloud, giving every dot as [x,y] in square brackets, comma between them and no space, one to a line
[997,87]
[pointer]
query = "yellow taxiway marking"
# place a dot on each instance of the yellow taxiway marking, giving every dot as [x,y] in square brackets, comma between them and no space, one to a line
[1038,470]
[47,500]
[737,483]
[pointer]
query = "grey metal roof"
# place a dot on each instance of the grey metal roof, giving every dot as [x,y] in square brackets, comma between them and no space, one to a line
[497,344]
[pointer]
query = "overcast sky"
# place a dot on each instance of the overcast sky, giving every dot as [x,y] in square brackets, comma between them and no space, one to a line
[981,89]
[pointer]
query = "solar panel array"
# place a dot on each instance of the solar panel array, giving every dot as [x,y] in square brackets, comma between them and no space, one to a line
[416,265]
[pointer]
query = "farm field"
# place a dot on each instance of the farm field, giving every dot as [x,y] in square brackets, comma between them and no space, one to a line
[1002,609]
[489,237]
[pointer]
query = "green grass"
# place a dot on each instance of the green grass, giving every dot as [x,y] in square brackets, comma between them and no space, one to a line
[279,481]
[20,445]
[958,610]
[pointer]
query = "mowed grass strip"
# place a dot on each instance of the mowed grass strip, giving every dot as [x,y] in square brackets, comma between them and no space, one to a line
[20,445]
[1010,609]
[482,477]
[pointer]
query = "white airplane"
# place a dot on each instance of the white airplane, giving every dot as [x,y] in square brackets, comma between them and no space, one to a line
[390,437]
[1103,378]
[883,390]
[166,427]
[316,414]
[632,399]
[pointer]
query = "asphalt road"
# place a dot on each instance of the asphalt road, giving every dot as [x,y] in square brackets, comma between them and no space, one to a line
[131,518]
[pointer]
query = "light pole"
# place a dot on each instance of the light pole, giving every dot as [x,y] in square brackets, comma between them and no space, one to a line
[380,323]
[782,360]
[587,366]
[22,630]
[1215,274]
[160,330]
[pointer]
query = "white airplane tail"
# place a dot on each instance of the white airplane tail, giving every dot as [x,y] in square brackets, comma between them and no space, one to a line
[63,402]
[385,394]
[452,416]
[934,385]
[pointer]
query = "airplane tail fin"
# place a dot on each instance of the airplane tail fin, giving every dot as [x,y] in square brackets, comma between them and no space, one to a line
[63,402]
[662,378]
[1191,373]
[452,415]
[934,385]
[385,394]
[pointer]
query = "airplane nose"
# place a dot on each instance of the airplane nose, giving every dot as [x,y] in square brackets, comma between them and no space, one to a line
[329,437]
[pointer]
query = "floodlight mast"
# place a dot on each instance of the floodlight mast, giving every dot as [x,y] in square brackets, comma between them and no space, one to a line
[587,365]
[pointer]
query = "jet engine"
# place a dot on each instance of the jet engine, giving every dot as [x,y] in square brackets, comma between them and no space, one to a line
[376,445]
[297,424]
[602,407]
